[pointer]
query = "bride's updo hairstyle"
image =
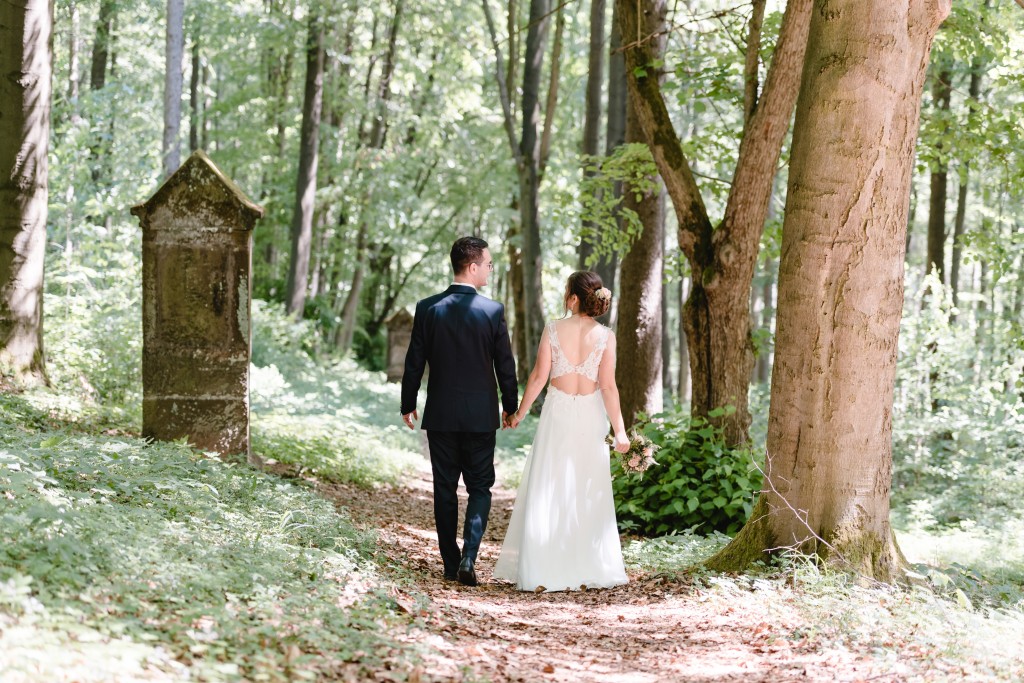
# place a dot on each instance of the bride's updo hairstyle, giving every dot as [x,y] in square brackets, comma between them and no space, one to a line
[595,299]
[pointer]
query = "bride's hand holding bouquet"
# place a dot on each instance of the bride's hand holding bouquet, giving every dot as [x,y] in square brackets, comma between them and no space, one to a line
[636,452]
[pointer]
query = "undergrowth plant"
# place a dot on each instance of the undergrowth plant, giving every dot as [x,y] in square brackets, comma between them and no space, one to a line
[698,482]
[237,573]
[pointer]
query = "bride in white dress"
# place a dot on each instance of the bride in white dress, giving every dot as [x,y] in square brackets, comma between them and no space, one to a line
[562,534]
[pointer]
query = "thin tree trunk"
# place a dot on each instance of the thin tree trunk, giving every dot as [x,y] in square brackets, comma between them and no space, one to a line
[973,92]
[667,388]
[174,52]
[26,60]
[529,179]
[101,45]
[379,129]
[515,264]
[828,464]
[592,107]
[764,360]
[305,185]
[936,260]
[722,260]
[553,78]
[936,248]
[98,68]
[194,94]
[347,329]
[615,136]
[684,351]
[74,36]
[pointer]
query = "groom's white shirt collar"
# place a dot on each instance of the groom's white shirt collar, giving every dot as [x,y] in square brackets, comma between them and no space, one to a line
[464,284]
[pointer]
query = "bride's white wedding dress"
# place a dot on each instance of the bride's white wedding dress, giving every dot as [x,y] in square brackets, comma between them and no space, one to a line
[562,534]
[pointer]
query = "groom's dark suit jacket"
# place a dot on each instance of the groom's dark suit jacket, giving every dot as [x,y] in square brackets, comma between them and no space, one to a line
[463,337]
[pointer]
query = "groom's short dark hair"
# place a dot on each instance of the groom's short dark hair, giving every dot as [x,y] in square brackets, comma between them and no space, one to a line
[465,251]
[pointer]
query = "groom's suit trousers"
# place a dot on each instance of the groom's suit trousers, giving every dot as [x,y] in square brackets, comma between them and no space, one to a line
[470,454]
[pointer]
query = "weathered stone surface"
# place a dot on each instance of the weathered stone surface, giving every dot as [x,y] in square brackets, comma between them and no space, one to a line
[211,424]
[196,283]
[399,335]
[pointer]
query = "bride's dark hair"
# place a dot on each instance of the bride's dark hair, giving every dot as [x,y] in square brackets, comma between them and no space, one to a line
[595,300]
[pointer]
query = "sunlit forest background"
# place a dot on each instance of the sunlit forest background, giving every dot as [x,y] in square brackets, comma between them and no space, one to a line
[413,150]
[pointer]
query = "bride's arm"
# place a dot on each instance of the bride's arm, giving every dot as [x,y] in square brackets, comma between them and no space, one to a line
[538,378]
[610,394]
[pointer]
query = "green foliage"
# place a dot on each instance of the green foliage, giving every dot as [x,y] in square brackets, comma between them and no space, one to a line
[958,429]
[236,573]
[698,481]
[93,326]
[305,415]
[600,209]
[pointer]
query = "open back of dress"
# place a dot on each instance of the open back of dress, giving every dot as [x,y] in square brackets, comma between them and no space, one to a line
[577,347]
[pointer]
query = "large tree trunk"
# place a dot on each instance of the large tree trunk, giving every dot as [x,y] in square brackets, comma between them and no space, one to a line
[173,82]
[721,260]
[26,33]
[829,454]
[305,185]
[638,369]
[935,261]
[529,178]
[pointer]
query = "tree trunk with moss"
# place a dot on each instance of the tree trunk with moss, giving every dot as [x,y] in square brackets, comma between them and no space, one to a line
[828,467]
[26,32]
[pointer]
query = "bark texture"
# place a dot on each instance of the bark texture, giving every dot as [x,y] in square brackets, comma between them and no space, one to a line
[722,259]
[26,34]
[638,372]
[829,459]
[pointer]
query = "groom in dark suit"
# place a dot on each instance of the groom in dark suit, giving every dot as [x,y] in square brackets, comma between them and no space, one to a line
[463,337]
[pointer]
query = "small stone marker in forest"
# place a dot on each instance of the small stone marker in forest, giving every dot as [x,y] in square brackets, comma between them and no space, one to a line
[399,336]
[196,284]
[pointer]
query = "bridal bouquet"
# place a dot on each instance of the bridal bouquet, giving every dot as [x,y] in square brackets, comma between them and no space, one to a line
[640,455]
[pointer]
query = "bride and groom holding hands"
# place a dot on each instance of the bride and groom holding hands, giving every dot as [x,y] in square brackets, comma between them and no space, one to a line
[562,534]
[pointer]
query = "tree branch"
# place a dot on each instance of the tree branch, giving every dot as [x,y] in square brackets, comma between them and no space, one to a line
[503,94]
[654,119]
[761,145]
[752,60]
[552,101]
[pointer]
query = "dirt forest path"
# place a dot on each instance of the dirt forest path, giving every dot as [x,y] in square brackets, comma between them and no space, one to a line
[647,631]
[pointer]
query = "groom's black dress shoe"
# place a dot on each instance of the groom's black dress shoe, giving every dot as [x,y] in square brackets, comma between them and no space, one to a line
[467,575]
[451,577]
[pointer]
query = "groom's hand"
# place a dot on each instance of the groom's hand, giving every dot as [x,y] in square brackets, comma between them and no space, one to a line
[409,417]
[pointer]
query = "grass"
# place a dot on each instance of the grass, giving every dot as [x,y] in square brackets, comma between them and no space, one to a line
[177,561]
[128,560]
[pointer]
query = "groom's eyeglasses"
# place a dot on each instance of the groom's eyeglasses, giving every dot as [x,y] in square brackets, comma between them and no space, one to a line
[489,264]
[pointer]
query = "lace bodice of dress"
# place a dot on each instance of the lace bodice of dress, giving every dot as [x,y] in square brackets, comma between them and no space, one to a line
[560,365]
